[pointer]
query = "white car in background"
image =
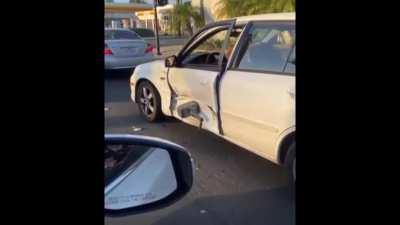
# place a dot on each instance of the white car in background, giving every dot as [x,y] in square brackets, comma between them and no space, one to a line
[124,49]
[234,78]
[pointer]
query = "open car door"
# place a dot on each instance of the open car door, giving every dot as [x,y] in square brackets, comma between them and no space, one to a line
[194,78]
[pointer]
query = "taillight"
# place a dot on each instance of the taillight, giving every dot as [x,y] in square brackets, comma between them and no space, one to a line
[149,48]
[107,50]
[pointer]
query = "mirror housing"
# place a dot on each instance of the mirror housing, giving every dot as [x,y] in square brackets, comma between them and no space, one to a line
[175,162]
[170,61]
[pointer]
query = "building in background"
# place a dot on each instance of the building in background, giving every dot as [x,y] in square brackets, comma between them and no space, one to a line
[123,15]
[164,17]
[139,14]
[146,18]
[136,14]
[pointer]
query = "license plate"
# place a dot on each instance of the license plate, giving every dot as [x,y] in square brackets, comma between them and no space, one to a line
[129,50]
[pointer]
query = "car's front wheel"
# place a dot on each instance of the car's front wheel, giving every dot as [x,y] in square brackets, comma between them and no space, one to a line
[149,102]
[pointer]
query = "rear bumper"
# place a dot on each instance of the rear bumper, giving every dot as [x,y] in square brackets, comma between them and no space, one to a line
[112,62]
[132,85]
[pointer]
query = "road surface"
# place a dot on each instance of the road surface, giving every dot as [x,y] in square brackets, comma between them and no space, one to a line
[232,186]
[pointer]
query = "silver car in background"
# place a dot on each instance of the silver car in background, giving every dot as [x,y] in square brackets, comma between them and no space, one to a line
[124,49]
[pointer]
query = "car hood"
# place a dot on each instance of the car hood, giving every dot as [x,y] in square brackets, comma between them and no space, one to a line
[150,69]
[155,64]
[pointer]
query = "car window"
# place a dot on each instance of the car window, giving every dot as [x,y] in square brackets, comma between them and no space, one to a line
[207,51]
[291,64]
[120,34]
[267,47]
[144,33]
[233,38]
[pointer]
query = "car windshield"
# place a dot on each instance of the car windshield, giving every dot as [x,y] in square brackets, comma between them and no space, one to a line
[119,34]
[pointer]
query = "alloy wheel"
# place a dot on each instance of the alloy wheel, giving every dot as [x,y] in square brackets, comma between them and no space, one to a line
[146,101]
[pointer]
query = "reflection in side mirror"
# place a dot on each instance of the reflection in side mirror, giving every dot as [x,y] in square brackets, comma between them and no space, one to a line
[149,178]
[170,61]
[143,173]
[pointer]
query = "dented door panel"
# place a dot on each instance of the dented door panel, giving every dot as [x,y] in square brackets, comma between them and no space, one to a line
[195,85]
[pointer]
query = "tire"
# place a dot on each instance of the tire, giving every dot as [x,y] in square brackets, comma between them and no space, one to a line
[290,162]
[149,102]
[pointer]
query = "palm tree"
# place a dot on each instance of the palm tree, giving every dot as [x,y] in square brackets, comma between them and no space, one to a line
[234,8]
[202,10]
[177,27]
[183,15]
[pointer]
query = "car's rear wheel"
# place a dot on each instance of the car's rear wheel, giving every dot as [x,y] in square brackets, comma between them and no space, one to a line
[293,170]
[149,102]
[292,182]
[290,162]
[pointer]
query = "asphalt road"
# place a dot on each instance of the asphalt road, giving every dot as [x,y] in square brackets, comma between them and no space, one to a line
[232,186]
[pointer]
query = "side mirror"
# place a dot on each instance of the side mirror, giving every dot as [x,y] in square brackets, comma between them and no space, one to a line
[170,61]
[143,174]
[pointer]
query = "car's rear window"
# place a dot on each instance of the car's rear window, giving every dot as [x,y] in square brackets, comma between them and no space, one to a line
[144,32]
[119,34]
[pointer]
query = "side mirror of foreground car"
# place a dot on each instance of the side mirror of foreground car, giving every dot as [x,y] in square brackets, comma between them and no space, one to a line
[143,174]
[170,61]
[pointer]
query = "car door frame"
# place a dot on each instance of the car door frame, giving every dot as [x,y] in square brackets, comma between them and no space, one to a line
[240,48]
[193,42]
[190,44]
[194,45]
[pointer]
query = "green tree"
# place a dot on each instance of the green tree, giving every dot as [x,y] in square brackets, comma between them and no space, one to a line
[177,27]
[235,8]
[182,17]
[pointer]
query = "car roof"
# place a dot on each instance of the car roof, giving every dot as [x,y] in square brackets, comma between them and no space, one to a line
[268,16]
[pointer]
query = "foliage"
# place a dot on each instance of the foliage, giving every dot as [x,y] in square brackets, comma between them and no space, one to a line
[235,8]
[187,17]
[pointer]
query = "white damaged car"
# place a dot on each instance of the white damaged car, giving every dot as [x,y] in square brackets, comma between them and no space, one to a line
[234,78]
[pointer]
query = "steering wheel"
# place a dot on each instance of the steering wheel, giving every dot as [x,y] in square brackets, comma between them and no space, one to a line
[213,54]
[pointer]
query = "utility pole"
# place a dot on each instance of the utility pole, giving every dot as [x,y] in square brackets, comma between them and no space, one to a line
[156,27]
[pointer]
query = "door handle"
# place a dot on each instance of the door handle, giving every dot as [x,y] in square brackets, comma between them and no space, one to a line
[291,93]
[204,82]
